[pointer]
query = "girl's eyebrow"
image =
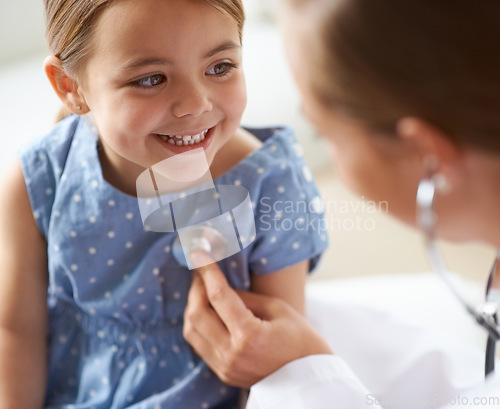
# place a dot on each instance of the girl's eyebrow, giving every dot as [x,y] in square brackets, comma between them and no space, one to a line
[228,45]
[143,62]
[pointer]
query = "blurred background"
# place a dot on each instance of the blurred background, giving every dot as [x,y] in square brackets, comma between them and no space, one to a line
[364,239]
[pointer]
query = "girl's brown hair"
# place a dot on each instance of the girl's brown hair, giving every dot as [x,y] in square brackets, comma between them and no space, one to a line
[381,60]
[70,26]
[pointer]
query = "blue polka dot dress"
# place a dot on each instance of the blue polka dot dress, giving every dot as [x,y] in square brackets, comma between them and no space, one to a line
[116,297]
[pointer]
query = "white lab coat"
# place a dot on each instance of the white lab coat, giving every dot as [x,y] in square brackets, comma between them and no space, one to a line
[380,361]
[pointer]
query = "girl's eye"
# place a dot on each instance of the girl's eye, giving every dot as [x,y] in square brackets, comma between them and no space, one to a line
[151,81]
[222,69]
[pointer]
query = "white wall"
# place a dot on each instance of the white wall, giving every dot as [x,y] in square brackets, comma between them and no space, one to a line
[21,29]
[22,25]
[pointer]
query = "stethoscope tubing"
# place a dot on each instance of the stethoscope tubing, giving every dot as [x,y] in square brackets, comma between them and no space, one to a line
[484,314]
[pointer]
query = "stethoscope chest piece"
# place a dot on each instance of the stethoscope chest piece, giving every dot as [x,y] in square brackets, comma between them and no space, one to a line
[198,237]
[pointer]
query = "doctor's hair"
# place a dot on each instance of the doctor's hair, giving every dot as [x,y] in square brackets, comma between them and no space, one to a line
[70,26]
[380,60]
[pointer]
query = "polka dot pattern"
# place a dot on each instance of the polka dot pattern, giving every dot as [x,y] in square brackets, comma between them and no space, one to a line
[118,281]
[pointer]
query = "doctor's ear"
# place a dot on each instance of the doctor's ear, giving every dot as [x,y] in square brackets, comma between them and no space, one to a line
[66,88]
[440,154]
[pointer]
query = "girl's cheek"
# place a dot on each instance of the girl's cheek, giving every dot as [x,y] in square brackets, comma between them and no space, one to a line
[237,100]
[239,107]
[138,113]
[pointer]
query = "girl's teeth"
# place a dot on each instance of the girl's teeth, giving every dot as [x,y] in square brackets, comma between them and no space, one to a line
[186,140]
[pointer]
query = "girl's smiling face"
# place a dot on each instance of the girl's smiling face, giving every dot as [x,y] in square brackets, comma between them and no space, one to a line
[163,77]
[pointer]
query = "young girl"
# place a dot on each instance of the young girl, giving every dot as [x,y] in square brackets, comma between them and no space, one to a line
[92,303]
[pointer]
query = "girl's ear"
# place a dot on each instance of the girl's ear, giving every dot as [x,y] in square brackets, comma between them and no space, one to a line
[66,88]
[440,154]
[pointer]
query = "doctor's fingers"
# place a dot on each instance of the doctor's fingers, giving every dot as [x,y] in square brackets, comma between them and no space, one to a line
[224,300]
[265,307]
[229,367]
[201,319]
[280,322]
[223,353]
[211,354]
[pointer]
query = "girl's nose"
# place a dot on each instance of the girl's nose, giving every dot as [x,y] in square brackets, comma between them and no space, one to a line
[191,100]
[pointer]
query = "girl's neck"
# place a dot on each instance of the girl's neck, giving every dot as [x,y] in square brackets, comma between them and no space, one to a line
[122,179]
[242,144]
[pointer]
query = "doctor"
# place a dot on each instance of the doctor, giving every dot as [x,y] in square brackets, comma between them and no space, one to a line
[407,93]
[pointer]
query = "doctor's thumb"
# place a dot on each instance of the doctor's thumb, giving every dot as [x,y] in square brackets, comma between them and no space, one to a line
[200,258]
[209,272]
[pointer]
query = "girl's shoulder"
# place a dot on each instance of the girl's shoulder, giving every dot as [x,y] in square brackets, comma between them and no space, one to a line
[279,152]
[43,161]
[55,142]
[45,158]
[278,143]
[276,169]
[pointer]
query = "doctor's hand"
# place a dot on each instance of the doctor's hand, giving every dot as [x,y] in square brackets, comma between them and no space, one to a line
[243,337]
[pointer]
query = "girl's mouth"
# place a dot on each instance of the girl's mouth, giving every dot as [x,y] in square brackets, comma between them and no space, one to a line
[184,140]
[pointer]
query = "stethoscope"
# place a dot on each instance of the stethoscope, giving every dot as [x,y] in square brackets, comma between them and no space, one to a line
[485,314]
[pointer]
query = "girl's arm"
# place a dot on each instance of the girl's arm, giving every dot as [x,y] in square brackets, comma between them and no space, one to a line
[23,297]
[287,284]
